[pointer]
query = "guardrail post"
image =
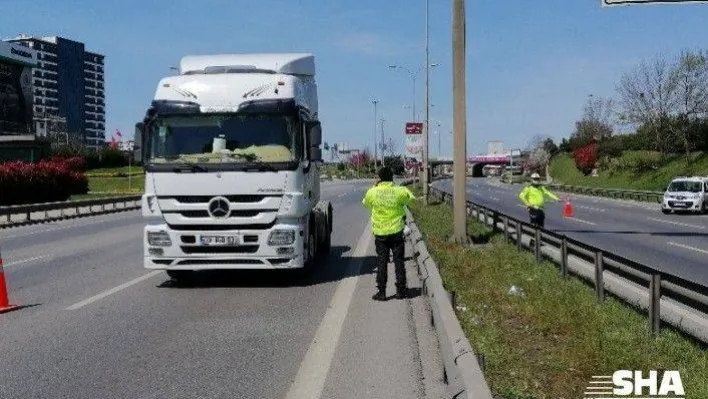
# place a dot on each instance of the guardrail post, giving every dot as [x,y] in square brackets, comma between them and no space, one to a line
[564,257]
[506,229]
[655,303]
[599,281]
[518,236]
[537,244]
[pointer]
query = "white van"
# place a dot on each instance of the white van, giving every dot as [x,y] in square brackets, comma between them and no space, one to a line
[686,194]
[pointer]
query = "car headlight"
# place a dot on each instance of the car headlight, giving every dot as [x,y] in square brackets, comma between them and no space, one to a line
[281,237]
[159,239]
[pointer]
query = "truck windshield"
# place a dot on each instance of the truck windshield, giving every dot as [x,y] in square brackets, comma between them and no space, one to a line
[683,185]
[225,139]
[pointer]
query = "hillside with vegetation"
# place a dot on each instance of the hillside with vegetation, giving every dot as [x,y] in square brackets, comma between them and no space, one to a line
[665,103]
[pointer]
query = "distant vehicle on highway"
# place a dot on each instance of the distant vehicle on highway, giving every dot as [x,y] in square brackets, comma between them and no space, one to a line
[686,194]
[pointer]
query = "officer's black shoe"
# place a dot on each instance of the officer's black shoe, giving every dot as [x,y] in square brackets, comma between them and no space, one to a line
[379,296]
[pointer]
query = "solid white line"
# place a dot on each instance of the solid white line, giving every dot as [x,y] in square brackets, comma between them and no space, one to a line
[703,251]
[311,376]
[19,262]
[677,223]
[112,290]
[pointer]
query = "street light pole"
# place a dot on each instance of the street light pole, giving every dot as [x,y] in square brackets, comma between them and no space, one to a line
[375,119]
[426,132]
[383,144]
[460,122]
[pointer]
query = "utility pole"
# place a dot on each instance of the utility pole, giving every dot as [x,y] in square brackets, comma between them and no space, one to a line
[426,171]
[375,119]
[460,122]
[383,144]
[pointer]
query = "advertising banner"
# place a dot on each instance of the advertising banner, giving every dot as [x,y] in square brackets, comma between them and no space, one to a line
[16,98]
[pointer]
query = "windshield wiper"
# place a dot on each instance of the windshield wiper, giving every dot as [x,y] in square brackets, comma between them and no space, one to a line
[189,166]
[264,166]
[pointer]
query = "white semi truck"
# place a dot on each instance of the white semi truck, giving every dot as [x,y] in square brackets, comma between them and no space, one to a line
[231,152]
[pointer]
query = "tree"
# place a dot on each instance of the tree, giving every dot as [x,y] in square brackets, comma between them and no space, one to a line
[595,125]
[540,149]
[648,95]
[691,75]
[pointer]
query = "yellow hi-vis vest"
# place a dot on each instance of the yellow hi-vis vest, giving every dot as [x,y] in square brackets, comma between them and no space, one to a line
[387,203]
[534,196]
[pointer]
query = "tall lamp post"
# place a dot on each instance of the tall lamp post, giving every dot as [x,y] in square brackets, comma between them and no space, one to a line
[460,121]
[375,102]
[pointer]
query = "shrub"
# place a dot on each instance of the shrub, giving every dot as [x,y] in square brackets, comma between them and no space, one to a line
[586,158]
[44,181]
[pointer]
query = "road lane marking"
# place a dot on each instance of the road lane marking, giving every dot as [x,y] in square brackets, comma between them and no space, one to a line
[581,221]
[113,290]
[495,199]
[703,251]
[590,208]
[695,226]
[310,379]
[19,262]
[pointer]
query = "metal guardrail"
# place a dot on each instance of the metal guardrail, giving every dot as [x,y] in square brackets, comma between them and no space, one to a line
[639,195]
[677,301]
[20,215]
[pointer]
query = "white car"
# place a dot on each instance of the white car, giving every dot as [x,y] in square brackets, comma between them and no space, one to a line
[686,194]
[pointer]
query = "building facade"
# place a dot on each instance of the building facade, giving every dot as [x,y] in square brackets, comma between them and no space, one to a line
[69,92]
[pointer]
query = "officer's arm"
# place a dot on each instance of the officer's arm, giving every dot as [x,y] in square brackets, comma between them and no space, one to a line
[407,197]
[367,201]
[550,194]
[523,195]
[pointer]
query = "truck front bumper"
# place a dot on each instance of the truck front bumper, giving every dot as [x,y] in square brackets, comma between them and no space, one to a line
[184,249]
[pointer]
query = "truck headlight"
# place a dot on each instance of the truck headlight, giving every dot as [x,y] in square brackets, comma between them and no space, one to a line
[281,237]
[159,239]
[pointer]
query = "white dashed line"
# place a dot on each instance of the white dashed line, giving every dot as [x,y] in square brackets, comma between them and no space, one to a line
[703,251]
[494,199]
[581,221]
[695,226]
[113,290]
[590,208]
[19,262]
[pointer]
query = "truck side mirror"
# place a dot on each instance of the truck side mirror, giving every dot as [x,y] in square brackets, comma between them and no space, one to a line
[138,142]
[314,133]
[315,154]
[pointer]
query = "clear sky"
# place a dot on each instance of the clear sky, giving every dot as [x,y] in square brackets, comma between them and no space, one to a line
[531,63]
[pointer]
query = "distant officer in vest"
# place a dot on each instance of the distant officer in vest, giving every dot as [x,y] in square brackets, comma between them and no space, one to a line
[533,196]
[387,203]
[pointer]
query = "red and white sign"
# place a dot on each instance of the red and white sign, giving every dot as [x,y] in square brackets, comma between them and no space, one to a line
[414,128]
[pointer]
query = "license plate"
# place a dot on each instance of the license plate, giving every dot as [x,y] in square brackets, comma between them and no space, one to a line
[219,240]
[680,205]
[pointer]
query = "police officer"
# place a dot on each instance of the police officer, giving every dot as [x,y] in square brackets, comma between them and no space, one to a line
[533,196]
[387,203]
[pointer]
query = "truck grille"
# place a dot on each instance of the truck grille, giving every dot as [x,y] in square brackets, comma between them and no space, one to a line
[203,199]
[205,214]
[243,249]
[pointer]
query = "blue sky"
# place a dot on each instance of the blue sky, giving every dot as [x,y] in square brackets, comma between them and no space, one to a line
[530,63]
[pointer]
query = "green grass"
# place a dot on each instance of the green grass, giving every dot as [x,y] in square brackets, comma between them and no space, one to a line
[636,170]
[117,184]
[548,343]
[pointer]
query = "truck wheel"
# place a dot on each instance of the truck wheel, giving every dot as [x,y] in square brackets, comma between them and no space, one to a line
[180,276]
[326,243]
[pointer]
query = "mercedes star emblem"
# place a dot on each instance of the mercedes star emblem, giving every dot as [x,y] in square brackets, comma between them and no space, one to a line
[219,207]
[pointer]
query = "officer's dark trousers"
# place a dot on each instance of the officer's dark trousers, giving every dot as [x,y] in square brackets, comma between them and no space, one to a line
[384,246]
[538,217]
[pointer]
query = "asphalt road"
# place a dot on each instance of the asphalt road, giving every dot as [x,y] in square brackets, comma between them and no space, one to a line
[97,325]
[677,244]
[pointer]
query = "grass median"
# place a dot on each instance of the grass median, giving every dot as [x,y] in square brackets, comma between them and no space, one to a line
[548,342]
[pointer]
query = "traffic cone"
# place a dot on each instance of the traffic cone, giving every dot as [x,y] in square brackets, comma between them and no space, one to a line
[5,305]
[568,209]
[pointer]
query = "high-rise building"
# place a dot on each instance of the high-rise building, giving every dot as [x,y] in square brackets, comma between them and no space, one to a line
[68,89]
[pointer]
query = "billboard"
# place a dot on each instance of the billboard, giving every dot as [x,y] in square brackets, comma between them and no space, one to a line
[16,91]
[414,128]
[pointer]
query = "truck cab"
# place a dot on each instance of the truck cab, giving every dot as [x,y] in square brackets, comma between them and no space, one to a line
[686,194]
[231,151]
